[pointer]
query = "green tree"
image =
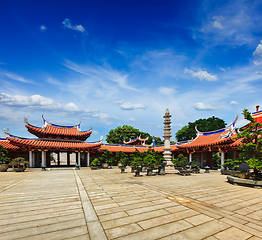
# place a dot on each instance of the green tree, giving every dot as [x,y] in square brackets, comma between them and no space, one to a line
[203,125]
[136,159]
[121,157]
[106,156]
[216,159]
[179,161]
[251,146]
[125,133]
[3,156]
[158,141]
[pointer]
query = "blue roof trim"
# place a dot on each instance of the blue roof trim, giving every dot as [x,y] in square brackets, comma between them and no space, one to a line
[214,132]
[54,125]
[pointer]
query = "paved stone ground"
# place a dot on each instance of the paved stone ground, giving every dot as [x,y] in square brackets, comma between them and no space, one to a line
[105,204]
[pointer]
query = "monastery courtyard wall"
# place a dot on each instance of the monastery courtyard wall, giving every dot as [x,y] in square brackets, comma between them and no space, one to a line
[104,204]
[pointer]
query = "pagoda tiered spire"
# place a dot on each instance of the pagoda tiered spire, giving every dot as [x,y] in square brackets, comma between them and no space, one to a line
[167,135]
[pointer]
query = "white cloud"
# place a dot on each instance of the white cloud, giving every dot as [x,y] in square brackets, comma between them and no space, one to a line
[101,74]
[39,103]
[258,51]
[42,28]
[257,63]
[34,101]
[129,105]
[202,106]
[233,102]
[241,122]
[67,23]
[217,22]
[13,76]
[233,22]
[201,74]
[166,91]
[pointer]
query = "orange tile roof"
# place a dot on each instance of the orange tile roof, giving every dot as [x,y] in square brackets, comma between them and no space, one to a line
[7,145]
[54,144]
[128,149]
[58,131]
[208,140]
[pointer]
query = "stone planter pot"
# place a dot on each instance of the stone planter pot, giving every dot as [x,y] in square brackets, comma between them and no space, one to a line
[105,165]
[120,165]
[93,167]
[179,168]
[149,170]
[185,172]
[19,169]
[137,172]
[195,170]
[3,167]
[229,172]
[244,182]
[122,168]
[133,168]
[161,168]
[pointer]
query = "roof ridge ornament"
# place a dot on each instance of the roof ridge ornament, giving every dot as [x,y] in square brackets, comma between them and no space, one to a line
[60,126]
[231,127]
[6,131]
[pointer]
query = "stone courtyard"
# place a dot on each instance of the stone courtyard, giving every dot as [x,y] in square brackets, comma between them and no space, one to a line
[105,204]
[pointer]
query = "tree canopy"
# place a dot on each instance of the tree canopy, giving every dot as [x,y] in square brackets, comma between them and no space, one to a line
[125,133]
[251,143]
[203,125]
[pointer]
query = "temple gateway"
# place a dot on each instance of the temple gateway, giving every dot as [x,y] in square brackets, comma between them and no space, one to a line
[52,140]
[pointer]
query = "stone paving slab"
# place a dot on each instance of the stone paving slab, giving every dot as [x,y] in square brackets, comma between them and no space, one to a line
[105,204]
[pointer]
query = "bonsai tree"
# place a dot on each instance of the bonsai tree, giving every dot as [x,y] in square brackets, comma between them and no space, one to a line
[251,143]
[194,166]
[136,159]
[179,161]
[216,159]
[106,156]
[95,162]
[121,157]
[229,163]
[19,162]
[3,158]
[152,157]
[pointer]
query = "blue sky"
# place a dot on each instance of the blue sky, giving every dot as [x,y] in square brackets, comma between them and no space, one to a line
[110,63]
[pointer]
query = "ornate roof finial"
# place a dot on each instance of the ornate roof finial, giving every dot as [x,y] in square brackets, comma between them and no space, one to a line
[6,131]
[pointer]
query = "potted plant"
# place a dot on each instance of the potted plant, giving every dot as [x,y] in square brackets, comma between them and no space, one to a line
[122,160]
[151,161]
[19,164]
[106,157]
[160,161]
[94,164]
[4,160]
[179,161]
[229,166]
[136,162]
[179,164]
[195,168]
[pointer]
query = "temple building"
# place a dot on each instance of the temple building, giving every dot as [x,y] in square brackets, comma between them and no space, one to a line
[223,141]
[51,138]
